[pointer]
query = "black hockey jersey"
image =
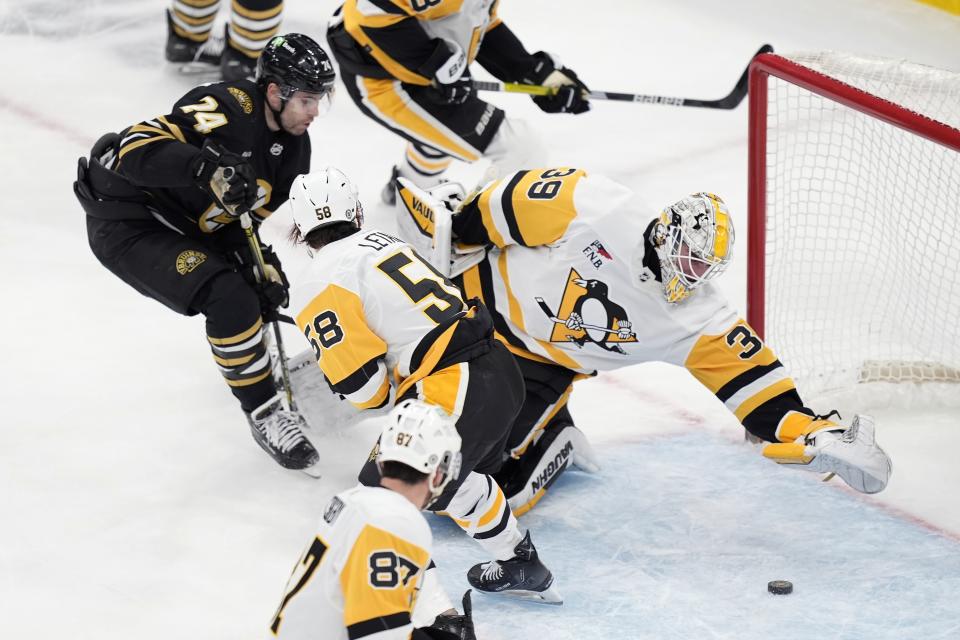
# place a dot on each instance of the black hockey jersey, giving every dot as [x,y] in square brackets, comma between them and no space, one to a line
[157,154]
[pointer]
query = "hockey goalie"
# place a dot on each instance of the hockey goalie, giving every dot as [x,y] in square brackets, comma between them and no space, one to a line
[579,280]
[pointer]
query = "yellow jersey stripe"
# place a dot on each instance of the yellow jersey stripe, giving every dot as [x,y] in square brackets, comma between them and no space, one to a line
[382,95]
[430,360]
[747,407]
[256,15]
[240,337]
[378,398]
[364,600]
[130,146]
[444,388]
[246,382]
[174,129]
[714,362]
[493,511]
[350,348]
[233,362]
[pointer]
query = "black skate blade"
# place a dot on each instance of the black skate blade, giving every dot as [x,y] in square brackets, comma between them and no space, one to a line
[547,596]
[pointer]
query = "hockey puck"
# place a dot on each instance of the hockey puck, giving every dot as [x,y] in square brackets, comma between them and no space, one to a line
[780,587]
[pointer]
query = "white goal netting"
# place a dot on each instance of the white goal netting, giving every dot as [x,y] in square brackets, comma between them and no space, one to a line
[862,246]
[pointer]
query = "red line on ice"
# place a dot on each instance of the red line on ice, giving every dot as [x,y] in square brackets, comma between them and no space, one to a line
[45,122]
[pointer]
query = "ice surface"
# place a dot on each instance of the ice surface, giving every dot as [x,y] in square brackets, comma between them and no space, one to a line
[136,505]
[678,536]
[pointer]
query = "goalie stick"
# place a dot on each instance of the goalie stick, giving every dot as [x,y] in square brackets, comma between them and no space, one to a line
[730,101]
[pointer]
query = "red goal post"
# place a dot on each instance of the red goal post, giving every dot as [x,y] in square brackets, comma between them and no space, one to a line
[854,218]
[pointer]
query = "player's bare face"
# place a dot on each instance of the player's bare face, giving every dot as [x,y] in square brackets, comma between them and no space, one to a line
[301,109]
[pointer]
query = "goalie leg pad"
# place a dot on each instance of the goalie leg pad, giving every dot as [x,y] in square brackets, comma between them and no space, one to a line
[525,481]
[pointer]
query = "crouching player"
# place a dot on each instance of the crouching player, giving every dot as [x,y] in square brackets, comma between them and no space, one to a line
[383,323]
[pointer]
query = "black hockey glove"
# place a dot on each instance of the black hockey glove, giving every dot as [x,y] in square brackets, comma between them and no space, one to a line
[571,94]
[454,93]
[452,84]
[459,627]
[227,177]
[274,289]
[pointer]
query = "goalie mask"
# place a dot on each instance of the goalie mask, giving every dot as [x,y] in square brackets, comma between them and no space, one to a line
[324,197]
[424,437]
[694,241]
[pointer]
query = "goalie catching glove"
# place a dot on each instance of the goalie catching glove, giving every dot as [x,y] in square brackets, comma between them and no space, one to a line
[227,177]
[571,95]
[826,447]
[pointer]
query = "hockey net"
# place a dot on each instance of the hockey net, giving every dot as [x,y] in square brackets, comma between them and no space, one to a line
[854,214]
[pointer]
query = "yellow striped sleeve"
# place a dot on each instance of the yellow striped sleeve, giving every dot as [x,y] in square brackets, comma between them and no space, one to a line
[432,10]
[356,22]
[542,204]
[530,208]
[379,582]
[739,369]
[336,326]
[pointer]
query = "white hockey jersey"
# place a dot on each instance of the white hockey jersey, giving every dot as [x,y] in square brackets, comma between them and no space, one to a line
[373,24]
[375,313]
[565,281]
[359,577]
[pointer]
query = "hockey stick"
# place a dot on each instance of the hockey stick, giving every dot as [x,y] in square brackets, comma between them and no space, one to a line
[730,101]
[260,272]
[583,325]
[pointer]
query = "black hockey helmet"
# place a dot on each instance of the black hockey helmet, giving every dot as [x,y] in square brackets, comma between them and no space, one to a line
[295,62]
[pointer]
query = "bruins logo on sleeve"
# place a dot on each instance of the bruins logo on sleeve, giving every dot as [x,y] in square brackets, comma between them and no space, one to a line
[588,315]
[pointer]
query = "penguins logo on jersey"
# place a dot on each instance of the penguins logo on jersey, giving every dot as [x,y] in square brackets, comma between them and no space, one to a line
[587,314]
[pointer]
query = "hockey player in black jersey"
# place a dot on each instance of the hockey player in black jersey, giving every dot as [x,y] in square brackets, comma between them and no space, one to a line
[406,65]
[163,199]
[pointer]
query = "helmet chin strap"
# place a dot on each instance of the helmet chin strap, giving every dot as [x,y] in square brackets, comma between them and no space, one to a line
[276,112]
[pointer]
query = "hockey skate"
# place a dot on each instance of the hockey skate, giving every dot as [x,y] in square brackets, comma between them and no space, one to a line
[193,57]
[235,65]
[522,576]
[279,432]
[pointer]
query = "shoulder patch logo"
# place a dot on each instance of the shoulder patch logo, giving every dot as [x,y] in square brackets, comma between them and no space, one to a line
[245,102]
[276,149]
[596,254]
[588,315]
[189,260]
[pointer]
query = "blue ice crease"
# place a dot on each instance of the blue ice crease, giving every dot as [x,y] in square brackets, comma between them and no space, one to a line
[678,537]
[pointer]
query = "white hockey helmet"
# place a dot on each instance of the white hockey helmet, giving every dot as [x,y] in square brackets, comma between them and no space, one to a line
[694,241]
[422,436]
[323,197]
